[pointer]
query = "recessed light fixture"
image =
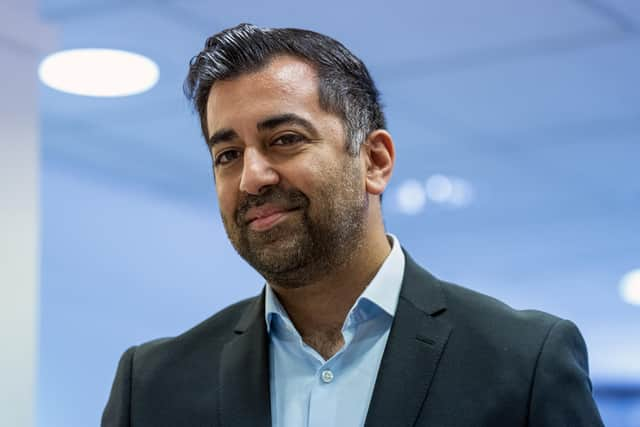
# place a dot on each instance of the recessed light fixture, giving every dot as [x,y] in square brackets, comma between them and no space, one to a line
[439,188]
[411,197]
[98,72]
[630,287]
[461,192]
[449,190]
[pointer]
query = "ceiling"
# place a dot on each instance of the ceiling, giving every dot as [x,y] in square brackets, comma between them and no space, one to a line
[535,104]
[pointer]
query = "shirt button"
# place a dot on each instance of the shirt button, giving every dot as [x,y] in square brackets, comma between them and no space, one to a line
[327,376]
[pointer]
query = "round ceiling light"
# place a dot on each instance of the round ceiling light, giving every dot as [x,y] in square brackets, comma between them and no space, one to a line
[411,197]
[98,72]
[630,287]
[439,188]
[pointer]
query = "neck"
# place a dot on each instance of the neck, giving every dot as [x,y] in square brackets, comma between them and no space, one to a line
[318,308]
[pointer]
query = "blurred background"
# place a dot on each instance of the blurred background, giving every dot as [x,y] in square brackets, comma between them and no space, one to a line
[517,127]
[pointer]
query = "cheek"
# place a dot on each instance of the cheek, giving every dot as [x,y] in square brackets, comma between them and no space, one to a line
[318,181]
[306,178]
[227,199]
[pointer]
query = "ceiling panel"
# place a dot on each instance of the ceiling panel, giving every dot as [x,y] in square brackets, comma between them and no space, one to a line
[498,99]
[626,9]
[73,9]
[388,32]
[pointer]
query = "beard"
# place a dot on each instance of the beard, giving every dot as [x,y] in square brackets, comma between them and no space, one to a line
[319,236]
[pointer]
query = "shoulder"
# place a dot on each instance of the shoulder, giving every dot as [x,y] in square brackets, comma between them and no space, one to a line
[511,337]
[480,321]
[202,341]
[490,337]
[494,326]
[171,376]
[520,362]
[469,306]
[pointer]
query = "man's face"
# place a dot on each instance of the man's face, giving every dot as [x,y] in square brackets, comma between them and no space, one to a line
[292,200]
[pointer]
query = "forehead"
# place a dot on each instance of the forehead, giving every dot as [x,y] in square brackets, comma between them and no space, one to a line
[284,85]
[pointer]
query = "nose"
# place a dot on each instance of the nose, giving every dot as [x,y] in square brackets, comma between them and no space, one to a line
[257,172]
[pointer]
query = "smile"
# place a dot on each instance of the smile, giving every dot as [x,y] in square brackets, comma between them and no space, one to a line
[268,219]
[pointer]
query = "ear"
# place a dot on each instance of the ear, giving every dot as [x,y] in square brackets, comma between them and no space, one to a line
[379,157]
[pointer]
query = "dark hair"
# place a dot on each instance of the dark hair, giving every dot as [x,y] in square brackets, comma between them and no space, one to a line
[345,86]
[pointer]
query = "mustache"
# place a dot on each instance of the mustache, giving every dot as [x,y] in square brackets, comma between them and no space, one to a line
[277,196]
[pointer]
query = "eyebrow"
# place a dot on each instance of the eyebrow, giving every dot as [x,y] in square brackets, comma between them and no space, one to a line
[270,123]
[286,119]
[223,135]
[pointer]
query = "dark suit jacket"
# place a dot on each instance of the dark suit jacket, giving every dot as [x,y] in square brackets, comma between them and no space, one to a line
[453,358]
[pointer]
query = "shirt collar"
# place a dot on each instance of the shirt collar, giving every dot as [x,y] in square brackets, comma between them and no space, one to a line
[383,290]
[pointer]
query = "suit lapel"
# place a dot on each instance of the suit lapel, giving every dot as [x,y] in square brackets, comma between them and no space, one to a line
[416,341]
[244,373]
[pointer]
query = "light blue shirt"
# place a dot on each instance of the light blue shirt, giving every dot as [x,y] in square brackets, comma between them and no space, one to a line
[308,391]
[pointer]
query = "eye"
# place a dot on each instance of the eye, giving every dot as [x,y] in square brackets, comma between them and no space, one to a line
[288,139]
[226,157]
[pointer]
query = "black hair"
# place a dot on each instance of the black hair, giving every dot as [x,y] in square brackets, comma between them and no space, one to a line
[345,85]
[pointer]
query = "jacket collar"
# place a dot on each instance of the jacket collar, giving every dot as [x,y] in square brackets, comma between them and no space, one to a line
[416,341]
[244,396]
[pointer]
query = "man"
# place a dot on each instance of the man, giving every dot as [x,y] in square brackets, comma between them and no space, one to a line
[349,330]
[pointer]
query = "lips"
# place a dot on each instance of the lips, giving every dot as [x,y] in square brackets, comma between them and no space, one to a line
[265,216]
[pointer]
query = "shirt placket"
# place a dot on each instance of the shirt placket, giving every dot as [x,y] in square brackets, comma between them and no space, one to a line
[323,399]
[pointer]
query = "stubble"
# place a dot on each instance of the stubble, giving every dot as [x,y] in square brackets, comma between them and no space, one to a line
[321,235]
